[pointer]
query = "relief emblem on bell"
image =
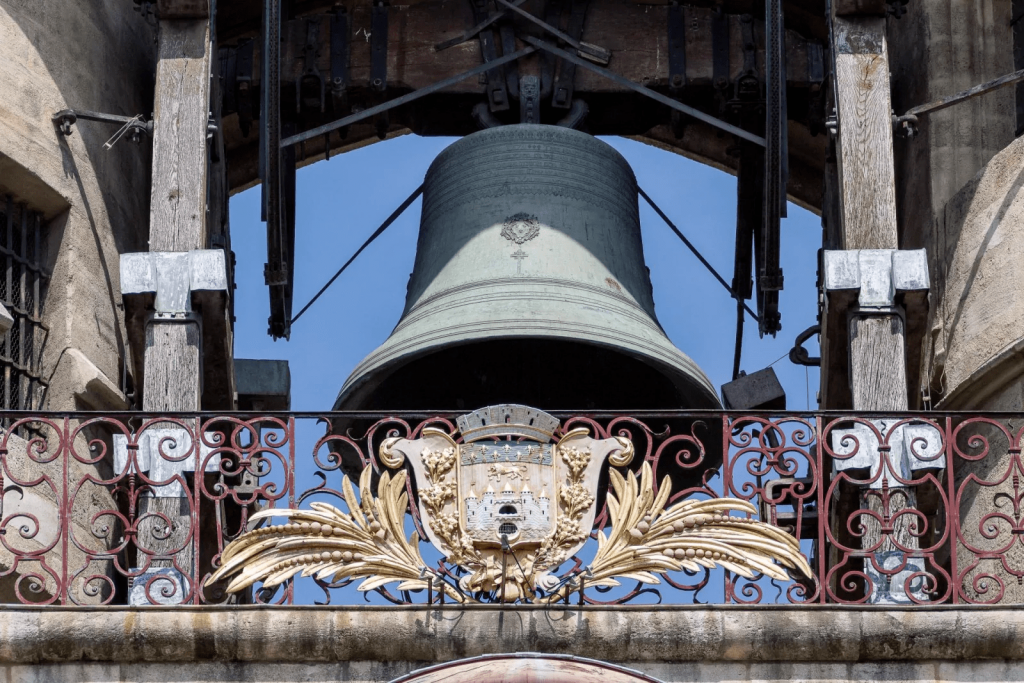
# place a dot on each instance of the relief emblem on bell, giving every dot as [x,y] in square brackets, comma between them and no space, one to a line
[520,228]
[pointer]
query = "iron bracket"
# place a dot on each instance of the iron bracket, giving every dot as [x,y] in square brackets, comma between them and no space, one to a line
[340,50]
[676,48]
[566,76]
[404,99]
[748,90]
[379,46]
[497,92]
[798,354]
[908,122]
[135,126]
[471,33]
[236,67]
[311,76]
[647,92]
[816,76]
[594,53]
[529,99]
[720,49]
[677,61]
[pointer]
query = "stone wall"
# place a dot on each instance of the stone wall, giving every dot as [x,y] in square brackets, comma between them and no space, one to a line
[278,645]
[98,56]
[939,48]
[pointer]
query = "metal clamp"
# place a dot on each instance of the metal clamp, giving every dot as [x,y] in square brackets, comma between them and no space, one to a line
[799,355]
[379,46]
[133,126]
[311,77]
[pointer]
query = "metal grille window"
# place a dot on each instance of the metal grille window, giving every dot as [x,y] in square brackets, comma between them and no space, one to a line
[23,282]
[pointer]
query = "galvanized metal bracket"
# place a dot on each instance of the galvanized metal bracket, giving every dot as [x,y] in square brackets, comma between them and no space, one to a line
[873,282]
[177,288]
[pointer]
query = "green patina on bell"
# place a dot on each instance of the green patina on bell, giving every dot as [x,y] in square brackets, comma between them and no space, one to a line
[529,287]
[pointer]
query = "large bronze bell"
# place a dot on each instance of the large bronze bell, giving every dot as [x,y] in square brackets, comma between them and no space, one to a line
[529,287]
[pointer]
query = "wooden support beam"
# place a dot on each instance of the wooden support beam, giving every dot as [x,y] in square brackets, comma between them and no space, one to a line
[177,219]
[878,382]
[867,198]
[172,361]
[173,369]
[866,170]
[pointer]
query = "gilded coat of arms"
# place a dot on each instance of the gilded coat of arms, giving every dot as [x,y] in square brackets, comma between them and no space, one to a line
[509,503]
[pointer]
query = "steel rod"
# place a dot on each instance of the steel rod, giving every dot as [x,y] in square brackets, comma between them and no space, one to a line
[656,96]
[469,34]
[981,89]
[404,99]
[377,233]
[696,253]
[596,52]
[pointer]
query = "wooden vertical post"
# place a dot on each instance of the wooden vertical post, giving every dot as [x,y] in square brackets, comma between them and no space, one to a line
[867,175]
[177,219]
[173,362]
[867,209]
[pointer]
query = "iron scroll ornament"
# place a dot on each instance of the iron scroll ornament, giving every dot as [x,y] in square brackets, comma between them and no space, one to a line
[510,541]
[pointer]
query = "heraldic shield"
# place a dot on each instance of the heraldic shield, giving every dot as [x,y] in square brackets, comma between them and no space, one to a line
[486,503]
[508,499]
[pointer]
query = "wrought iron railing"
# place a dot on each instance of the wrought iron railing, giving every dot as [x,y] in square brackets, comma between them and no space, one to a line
[918,509]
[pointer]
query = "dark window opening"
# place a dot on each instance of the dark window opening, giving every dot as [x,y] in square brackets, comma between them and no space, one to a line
[507,528]
[23,283]
[508,510]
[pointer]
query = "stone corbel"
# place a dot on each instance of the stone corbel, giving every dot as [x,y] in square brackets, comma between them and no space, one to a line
[181,288]
[867,282]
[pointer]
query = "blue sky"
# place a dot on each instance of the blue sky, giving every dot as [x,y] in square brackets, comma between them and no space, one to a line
[342,201]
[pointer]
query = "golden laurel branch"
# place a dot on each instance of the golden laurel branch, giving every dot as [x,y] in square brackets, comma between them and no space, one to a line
[646,539]
[367,543]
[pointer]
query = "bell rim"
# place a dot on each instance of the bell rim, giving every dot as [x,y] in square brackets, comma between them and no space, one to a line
[687,377]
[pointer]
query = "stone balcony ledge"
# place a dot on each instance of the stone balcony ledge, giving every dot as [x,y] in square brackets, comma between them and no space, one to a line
[628,635]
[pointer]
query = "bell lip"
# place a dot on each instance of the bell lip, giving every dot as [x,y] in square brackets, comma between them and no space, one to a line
[696,383]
